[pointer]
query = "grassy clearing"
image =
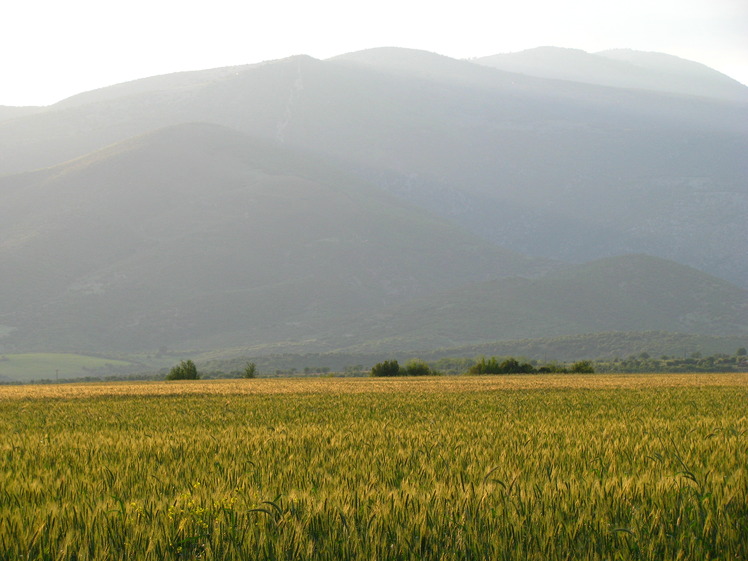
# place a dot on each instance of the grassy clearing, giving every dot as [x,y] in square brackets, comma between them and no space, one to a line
[49,366]
[557,467]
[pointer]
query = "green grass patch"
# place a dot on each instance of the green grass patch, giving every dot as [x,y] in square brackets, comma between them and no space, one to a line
[51,366]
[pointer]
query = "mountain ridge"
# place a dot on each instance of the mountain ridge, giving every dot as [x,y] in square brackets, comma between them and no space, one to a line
[305,199]
[622,68]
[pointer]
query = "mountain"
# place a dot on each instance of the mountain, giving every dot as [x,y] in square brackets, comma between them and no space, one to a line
[326,201]
[619,294]
[576,171]
[622,68]
[198,233]
[555,169]
[175,82]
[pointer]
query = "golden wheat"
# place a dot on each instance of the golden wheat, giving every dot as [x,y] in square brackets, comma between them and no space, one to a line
[520,467]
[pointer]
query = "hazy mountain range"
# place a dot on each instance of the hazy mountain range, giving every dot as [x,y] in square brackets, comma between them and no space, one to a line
[385,197]
[621,68]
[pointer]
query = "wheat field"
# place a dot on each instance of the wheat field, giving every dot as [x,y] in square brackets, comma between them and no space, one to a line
[640,467]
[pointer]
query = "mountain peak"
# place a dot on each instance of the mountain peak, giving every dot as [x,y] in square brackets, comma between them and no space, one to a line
[398,59]
[388,53]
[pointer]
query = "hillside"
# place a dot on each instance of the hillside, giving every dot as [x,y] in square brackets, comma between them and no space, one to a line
[604,346]
[575,171]
[619,294]
[557,169]
[567,348]
[325,204]
[200,235]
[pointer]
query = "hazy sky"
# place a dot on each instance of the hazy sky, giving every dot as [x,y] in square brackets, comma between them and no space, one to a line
[52,49]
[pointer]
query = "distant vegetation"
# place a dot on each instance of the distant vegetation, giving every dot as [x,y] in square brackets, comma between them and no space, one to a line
[385,369]
[414,367]
[605,346]
[692,363]
[185,370]
[418,367]
[513,366]
[626,352]
[250,370]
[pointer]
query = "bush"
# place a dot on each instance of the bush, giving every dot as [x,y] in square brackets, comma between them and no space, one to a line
[512,366]
[483,366]
[582,367]
[385,369]
[552,368]
[418,367]
[509,366]
[185,370]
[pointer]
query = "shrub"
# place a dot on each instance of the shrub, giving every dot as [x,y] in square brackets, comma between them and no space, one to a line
[513,366]
[185,370]
[483,366]
[582,367]
[386,368]
[509,366]
[418,367]
[553,368]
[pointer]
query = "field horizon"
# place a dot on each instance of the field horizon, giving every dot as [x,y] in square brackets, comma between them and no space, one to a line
[366,384]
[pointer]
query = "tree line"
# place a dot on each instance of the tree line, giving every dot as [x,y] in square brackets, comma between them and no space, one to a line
[187,370]
[417,367]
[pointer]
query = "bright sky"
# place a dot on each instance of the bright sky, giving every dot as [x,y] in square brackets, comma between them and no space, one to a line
[50,49]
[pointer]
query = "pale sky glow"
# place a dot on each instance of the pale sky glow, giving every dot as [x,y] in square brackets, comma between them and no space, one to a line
[50,50]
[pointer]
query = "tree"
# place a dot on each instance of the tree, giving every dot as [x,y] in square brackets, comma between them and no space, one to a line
[385,369]
[582,367]
[513,366]
[185,370]
[418,367]
[741,352]
[552,367]
[483,366]
[508,366]
[250,370]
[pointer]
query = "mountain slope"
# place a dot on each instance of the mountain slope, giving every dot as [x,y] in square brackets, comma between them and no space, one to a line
[177,81]
[554,169]
[398,96]
[627,293]
[197,233]
[578,172]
